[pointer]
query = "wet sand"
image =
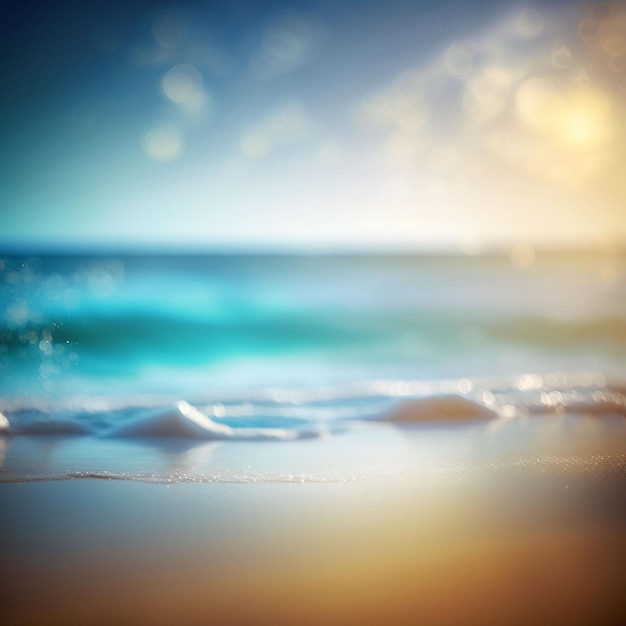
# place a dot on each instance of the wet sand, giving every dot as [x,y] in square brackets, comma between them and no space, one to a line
[529,539]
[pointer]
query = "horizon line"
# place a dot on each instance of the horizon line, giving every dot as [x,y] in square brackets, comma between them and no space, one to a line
[492,250]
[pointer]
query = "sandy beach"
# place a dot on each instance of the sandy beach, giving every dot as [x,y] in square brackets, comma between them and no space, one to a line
[473,534]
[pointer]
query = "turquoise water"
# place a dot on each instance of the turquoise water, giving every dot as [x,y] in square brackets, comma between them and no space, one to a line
[216,348]
[189,325]
[149,330]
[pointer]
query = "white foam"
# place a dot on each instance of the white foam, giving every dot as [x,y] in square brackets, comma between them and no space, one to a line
[186,421]
[296,414]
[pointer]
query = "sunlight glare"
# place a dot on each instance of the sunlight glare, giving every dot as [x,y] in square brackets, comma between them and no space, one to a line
[460,60]
[163,143]
[486,94]
[586,119]
[561,56]
[183,84]
[289,41]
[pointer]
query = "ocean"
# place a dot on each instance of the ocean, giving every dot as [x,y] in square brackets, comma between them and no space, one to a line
[283,347]
[323,438]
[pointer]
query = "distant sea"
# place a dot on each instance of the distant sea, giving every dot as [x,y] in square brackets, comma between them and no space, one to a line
[93,332]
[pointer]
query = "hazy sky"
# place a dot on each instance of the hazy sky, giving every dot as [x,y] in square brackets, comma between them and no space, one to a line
[324,125]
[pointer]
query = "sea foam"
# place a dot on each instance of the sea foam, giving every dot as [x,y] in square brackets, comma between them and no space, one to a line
[285,415]
[186,421]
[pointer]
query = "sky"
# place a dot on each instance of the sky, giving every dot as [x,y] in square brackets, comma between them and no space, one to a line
[316,125]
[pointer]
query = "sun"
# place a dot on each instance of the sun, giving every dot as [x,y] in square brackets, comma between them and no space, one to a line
[577,118]
[585,119]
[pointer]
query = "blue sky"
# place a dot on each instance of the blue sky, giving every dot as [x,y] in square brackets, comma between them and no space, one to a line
[315,125]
